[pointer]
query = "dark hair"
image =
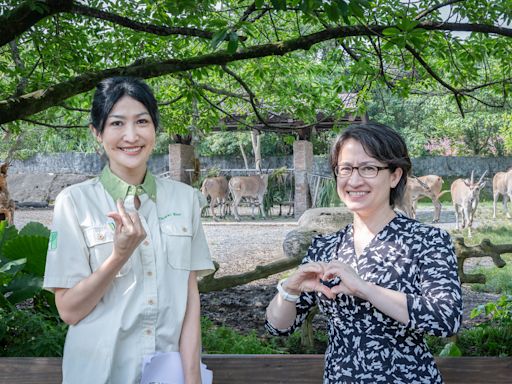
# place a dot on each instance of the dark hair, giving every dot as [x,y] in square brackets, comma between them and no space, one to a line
[110,90]
[382,143]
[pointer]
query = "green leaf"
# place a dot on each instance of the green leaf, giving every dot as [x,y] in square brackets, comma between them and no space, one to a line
[219,37]
[34,229]
[33,248]
[12,267]
[279,5]
[233,42]
[450,350]
[391,31]
[332,11]
[23,288]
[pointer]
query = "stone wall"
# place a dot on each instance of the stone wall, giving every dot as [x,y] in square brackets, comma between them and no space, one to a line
[91,164]
[36,181]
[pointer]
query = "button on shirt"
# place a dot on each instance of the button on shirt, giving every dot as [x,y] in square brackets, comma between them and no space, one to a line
[143,310]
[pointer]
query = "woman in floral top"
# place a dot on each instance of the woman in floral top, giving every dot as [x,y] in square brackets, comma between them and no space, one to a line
[383,281]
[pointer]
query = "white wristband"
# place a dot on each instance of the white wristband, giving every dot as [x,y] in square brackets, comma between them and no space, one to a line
[285,295]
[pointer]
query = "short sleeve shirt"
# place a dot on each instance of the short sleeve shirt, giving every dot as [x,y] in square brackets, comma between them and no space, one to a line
[143,310]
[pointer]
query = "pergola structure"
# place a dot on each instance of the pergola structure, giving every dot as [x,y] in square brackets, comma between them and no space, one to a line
[181,154]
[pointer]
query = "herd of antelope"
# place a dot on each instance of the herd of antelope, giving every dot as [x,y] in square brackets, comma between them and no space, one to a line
[251,188]
[465,195]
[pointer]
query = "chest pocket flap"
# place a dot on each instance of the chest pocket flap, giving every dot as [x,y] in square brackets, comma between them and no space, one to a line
[177,239]
[100,241]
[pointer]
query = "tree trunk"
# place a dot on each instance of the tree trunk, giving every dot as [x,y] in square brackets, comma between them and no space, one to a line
[242,151]
[256,147]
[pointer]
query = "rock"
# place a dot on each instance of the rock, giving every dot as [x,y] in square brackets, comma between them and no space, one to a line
[325,220]
[315,221]
[39,189]
[297,242]
[62,181]
[33,187]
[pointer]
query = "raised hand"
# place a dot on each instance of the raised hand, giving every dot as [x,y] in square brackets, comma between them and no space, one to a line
[129,231]
[350,284]
[308,279]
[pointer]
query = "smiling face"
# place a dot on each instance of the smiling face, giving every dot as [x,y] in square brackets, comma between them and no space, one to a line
[365,196]
[128,138]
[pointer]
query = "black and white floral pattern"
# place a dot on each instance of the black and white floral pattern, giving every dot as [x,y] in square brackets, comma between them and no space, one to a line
[367,346]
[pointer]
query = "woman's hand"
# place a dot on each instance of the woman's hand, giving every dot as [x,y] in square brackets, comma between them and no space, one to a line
[350,284]
[308,279]
[129,231]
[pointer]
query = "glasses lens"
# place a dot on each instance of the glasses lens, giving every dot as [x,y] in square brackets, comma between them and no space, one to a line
[344,171]
[368,171]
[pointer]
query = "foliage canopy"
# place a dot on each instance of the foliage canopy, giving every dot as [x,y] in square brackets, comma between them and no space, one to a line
[210,59]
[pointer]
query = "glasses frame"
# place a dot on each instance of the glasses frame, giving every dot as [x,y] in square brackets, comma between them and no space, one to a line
[336,171]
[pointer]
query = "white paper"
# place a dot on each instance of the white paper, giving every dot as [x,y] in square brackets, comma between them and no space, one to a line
[166,368]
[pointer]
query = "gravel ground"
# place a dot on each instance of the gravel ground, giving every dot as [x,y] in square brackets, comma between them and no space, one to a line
[238,248]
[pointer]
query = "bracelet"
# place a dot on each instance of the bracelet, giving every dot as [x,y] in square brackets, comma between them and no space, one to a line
[285,295]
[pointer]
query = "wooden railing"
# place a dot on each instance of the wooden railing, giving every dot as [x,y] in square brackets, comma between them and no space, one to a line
[268,369]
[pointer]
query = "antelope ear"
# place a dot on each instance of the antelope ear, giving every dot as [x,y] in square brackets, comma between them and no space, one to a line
[466,181]
[482,184]
[3,168]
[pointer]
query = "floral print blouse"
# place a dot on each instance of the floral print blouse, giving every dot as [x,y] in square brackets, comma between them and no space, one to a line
[365,345]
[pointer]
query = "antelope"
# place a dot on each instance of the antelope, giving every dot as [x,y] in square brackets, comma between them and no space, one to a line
[465,198]
[217,189]
[502,185]
[6,203]
[253,187]
[417,187]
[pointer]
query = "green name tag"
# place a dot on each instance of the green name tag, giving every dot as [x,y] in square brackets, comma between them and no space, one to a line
[53,240]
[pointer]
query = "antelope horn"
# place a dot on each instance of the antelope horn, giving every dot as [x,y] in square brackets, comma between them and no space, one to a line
[482,177]
[471,180]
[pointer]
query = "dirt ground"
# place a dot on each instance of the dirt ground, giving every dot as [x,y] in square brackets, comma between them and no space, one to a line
[240,247]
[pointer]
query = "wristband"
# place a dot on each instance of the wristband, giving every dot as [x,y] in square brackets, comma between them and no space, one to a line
[285,295]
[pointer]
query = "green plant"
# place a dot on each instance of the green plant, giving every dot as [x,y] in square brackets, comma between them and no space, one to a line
[499,311]
[224,340]
[328,195]
[30,334]
[489,339]
[292,344]
[280,188]
[22,263]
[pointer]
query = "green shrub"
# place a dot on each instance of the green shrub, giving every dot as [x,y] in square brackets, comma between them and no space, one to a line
[292,344]
[30,334]
[224,340]
[490,339]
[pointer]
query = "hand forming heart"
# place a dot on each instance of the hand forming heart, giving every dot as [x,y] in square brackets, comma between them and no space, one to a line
[329,279]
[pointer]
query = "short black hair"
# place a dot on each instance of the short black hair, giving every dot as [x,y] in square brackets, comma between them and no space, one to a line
[110,90]
[382,143]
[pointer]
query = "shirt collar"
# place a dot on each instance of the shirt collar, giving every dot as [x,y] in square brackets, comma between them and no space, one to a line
[119,189]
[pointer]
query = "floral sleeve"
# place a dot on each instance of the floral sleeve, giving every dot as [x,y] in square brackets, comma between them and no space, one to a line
[437,310]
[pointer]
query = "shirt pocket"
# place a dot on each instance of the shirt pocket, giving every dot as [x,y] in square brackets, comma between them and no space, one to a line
[100,241]
[177,239]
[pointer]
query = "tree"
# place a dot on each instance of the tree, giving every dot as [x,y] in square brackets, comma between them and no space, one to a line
[211,59]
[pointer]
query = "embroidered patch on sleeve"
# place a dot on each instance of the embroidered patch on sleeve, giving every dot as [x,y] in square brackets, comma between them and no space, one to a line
[53,240]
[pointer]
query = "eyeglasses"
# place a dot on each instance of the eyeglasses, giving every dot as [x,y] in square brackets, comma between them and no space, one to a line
[365,171]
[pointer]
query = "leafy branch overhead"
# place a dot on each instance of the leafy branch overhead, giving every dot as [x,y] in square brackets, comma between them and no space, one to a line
[248,58]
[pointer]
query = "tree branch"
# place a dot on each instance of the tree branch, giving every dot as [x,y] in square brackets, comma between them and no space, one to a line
[222,92]
[26,105]
[457,93]
[252,96]
[83,10]
[57,126]
[435,8]
[29,13]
